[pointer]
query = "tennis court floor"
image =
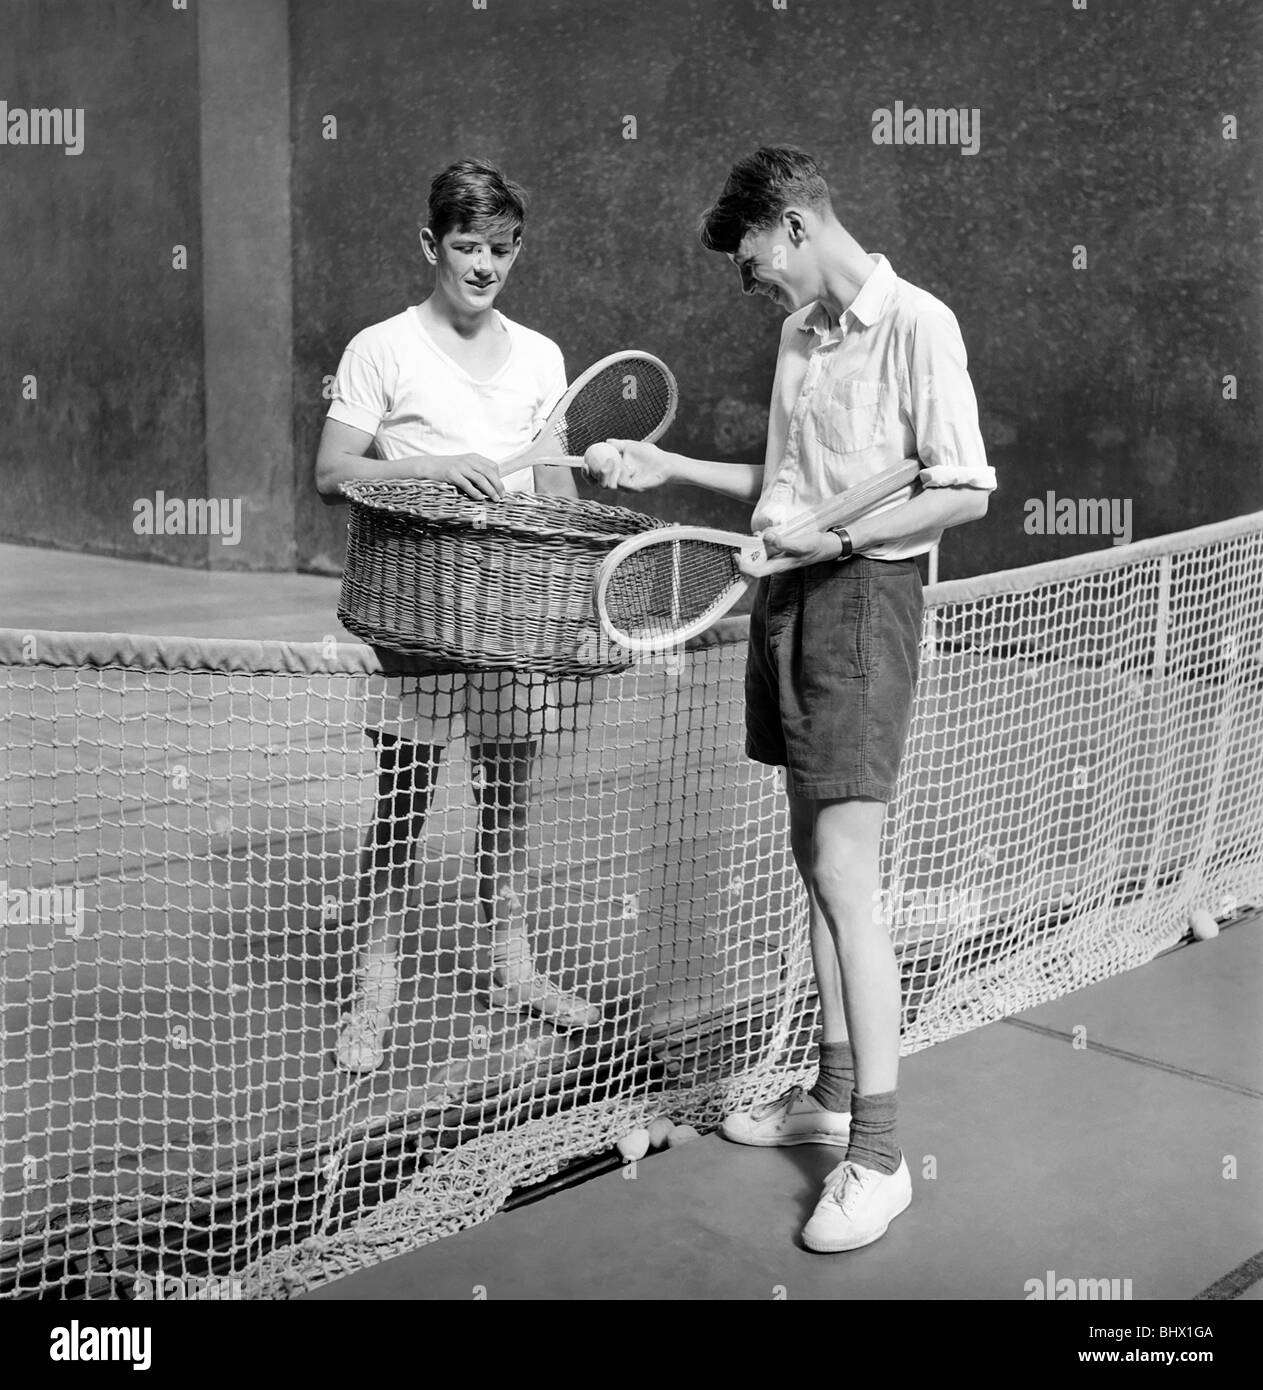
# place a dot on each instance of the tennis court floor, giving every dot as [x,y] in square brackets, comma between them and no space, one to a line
[1105,1162]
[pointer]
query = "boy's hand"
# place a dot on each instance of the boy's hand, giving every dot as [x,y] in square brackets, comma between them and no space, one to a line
[475,476]
[638,466]
[808,547]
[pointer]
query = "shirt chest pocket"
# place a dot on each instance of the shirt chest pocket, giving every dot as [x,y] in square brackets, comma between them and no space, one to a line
[851,415]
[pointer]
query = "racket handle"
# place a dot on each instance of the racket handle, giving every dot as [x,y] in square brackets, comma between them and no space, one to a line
[850,506]
[530,461]
[757,568]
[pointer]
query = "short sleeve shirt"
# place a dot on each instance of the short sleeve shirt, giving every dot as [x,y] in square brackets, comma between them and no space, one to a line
[396,383]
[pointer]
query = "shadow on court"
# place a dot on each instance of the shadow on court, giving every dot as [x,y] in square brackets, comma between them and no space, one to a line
[1126,1158]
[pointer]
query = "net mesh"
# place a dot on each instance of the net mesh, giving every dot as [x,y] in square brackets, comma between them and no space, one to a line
[197,909]
[632,398]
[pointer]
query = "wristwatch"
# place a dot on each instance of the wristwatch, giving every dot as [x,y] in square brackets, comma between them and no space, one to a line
[847,548]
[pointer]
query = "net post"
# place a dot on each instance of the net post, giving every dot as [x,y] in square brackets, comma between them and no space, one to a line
[1162,625]
[929,628]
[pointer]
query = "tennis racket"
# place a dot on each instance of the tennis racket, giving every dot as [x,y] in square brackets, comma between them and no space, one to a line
[631,395]
[660,588]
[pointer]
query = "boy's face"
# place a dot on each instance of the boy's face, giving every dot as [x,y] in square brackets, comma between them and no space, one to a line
[777,262]
[472,264]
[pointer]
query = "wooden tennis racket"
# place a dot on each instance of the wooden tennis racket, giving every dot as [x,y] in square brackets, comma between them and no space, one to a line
[630,395]
[659,589]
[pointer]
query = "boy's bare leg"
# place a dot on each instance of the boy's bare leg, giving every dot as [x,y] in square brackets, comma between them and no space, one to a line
[835,1071]
[502,777]
[820,1115]
[405,785]
[871,1186]
[847,877]
[824,956]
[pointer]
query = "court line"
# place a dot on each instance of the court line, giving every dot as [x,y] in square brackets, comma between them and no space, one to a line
[1139,1058]
[1235,1282]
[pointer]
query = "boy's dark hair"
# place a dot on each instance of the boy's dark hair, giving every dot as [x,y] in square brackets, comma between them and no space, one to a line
[471,195]
[757,190]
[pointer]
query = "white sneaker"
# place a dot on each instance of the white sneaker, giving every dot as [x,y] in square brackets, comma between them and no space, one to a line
[857,1206]
[794,1118]
[362,1042]
[534,993]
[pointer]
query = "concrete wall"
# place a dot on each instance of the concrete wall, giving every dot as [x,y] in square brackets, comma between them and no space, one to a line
[146,280]
[90,305]
[1100,128]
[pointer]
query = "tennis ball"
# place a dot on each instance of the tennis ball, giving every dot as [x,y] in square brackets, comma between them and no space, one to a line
[600,457]
[681,1134]
[1205,928]
[633,1145]
[659,1130]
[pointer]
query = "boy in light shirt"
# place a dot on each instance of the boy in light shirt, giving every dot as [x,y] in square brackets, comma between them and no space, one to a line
[445,391]
[871,370]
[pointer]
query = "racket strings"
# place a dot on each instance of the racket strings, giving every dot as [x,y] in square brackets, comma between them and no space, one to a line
[667,586]
[625,400]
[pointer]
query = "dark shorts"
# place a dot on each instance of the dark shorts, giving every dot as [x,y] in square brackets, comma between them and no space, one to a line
[830,675]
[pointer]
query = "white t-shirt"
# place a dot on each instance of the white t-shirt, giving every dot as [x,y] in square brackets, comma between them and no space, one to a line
[396,383]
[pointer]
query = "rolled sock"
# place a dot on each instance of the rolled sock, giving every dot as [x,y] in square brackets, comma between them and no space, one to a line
[873,1132]
[511,953]
[835,1078]
[379,984]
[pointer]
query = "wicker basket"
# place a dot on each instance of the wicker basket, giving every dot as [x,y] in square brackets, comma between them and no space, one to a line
[504,585]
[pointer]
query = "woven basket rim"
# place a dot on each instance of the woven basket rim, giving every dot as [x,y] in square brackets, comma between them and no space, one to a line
[634,522]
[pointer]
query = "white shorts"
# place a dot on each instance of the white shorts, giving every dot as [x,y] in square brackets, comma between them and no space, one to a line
[483,706]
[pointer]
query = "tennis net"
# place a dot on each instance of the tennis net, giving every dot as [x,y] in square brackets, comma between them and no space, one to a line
[182,906]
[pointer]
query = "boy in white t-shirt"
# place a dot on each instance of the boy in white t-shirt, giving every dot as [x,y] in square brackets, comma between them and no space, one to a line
[445,391]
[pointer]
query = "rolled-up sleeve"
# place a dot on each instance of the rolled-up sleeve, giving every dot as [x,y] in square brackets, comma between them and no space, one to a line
[943,408]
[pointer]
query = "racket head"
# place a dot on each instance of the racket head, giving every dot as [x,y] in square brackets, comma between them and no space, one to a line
[628,395]
[657,590]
